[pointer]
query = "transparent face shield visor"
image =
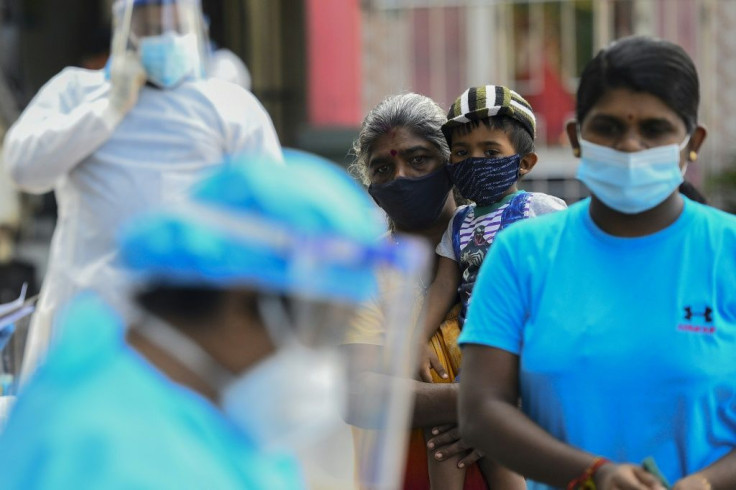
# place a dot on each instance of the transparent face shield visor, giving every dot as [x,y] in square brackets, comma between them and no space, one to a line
[170,29]
[376,345]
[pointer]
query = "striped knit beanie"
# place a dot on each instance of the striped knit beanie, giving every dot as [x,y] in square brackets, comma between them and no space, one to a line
[488,101]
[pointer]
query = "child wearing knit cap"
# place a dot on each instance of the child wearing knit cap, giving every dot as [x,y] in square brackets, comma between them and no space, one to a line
[490,131]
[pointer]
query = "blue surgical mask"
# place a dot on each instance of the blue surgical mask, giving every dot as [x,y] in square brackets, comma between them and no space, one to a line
[169,58]
[630,182]
[484,180]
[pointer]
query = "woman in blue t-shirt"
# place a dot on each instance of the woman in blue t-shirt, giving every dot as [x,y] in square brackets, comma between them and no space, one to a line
[614,322]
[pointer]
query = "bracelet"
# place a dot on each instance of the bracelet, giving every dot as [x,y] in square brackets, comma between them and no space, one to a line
[586,481]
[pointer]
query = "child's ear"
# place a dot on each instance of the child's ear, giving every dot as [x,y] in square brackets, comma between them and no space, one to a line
[572,134]
[527,163]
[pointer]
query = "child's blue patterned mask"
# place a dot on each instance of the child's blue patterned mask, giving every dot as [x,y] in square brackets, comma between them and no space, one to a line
[484,180]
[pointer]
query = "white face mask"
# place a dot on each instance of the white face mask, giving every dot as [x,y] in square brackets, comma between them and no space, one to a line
[169,58]
[630,182]
[286,401]
[289,400]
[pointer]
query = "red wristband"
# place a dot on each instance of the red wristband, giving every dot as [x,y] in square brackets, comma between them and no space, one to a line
[586,481]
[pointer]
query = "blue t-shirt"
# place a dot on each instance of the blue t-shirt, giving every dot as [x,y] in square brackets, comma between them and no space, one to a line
[627,346]
[97,415]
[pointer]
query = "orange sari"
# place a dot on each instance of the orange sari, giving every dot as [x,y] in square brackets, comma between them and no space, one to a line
[444,343]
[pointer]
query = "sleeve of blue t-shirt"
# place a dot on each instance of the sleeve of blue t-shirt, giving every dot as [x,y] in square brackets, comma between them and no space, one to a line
[498,308]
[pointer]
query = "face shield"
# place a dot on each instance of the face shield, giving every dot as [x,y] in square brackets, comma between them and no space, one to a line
[304,240]
[366,448]
[166,36]
[354,409]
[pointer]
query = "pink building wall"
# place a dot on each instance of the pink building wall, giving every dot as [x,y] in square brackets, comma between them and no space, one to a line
[334,62]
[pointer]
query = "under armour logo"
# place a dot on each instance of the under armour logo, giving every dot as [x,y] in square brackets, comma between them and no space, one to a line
[707,314]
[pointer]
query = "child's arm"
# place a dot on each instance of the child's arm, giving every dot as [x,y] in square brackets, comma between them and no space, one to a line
[441,296]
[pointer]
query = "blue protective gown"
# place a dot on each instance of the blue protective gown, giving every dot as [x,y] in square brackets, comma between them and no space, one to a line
[98,415]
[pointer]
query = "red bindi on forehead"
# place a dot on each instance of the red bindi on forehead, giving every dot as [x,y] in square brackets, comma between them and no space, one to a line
[394,152]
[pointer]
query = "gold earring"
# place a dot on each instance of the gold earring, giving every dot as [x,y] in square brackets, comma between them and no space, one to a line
[576,152]
[693,155]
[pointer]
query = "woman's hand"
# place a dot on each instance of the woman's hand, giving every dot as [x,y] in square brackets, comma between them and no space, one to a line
[446,443]
[428,360]
[612,476]
[696,481]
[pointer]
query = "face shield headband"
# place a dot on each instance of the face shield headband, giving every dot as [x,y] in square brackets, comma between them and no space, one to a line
[200,244]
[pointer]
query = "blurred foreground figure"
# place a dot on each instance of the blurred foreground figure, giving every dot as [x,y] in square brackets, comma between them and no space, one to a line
[234,365]
[114,143]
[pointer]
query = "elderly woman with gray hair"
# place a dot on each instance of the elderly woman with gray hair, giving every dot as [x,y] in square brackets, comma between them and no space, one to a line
[401,154]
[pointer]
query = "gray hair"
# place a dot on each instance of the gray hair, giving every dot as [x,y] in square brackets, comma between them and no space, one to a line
[417,113]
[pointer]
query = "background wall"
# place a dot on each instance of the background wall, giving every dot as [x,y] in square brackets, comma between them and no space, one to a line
[319,65]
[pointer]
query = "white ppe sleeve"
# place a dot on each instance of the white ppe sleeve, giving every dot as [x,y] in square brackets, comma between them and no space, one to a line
[541,203]
[55,133]
[226,65]
[248,127]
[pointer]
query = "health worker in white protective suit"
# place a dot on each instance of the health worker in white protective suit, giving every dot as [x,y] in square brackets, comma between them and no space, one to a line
[112,143]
